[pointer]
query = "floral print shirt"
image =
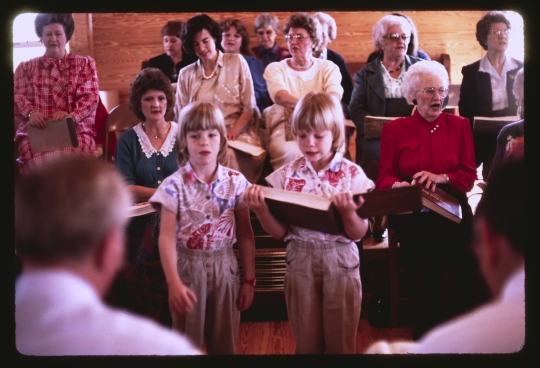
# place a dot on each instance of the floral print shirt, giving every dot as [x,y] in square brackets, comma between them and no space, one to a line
[205,212]
[339,176]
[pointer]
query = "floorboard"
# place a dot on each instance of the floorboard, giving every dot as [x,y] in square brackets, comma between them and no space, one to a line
[275,337]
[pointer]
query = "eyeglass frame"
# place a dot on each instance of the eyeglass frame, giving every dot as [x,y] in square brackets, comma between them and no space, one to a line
[267,32]
[498,32]
[441,91]
[298,37]
[394,38]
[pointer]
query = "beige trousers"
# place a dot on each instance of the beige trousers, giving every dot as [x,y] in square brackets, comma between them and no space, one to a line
[323,293]
[214,277]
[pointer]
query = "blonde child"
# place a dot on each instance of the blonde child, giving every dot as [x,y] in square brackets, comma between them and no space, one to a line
[202,216]
[323,291]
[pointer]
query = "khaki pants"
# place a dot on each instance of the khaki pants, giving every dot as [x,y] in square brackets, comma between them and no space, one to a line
[214,277]
[324,295]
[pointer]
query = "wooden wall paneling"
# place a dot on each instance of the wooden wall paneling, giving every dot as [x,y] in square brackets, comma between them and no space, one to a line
[79,43]
[121,41]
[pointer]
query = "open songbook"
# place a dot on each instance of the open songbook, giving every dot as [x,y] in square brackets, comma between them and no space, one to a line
[245,147]
[318,213]
[140,209]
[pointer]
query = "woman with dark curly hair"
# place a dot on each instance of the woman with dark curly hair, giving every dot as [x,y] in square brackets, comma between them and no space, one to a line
[54,86]
[289,79]
[145,156]
[486,88]
[236,41]
[223,79]
[174,57]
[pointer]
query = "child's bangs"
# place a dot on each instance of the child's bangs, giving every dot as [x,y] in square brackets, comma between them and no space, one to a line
[312,120]
[205,121]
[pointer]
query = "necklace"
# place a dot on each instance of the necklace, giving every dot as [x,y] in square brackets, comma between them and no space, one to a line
[434,128]
[211,75]
[158,135]
[302,67]
[395,70]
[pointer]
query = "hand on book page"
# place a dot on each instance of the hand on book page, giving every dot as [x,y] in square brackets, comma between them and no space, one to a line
[255,199]
[354,226]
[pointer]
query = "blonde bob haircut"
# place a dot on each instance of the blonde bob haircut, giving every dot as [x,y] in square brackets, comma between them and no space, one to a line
[319,111]
[201,115]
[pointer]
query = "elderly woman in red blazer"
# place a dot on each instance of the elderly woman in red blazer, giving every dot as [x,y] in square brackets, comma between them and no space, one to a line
[433,149]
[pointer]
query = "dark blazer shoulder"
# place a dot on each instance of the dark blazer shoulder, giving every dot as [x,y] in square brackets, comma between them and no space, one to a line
[471,68]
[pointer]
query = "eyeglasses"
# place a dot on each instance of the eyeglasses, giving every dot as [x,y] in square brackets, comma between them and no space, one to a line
[430,91]
[268,32]
[498,32]
[397,36]
[299,37]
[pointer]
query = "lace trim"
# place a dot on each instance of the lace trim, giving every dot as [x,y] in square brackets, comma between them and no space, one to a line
[147,147]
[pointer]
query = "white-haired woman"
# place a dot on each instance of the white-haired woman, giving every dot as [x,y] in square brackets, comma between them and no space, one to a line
[433,149]
[292,78]
[377,91]
[328,35]
[511,138]
[266,29]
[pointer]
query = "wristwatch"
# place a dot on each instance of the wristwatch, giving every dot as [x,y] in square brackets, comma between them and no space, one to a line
[251,282]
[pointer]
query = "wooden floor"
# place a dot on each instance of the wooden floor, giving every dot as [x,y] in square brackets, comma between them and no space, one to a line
[275,338]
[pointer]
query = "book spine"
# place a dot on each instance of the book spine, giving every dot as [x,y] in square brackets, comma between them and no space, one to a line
[72,132]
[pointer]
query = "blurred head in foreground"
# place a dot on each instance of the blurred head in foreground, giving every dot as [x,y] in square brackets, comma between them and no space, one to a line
[70,213]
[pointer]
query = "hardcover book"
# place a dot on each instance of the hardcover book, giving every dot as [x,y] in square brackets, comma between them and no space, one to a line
[443,203]
[57,134]
[318,213]
[245,147]
[486,125]
[373,125]
[140,209]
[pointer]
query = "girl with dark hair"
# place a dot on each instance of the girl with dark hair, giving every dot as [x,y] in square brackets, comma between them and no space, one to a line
[236,41]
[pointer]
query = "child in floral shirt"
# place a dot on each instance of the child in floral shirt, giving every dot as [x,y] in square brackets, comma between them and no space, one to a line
[202,216]
[323,291]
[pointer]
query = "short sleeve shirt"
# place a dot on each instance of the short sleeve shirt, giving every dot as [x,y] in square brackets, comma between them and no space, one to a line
[339,176]
[205,212]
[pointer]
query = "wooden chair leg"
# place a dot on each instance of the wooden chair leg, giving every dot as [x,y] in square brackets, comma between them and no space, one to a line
[394,272]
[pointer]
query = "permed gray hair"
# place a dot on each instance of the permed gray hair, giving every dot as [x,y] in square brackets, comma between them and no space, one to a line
[328,20]
[416,72]
[382,25]
[519,88]
[308,22]
[264,20]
